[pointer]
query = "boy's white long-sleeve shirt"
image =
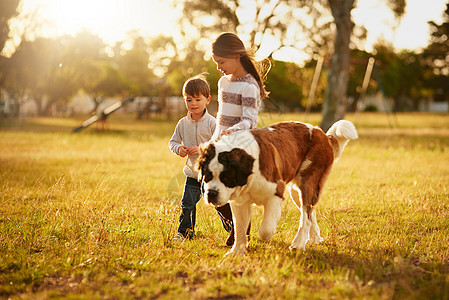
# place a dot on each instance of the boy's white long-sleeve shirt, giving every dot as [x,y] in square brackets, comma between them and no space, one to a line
[189,133]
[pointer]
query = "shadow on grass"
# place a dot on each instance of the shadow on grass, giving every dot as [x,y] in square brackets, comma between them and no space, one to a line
[379,264]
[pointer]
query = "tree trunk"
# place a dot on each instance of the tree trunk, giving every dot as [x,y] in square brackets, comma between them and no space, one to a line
[39,100]
[334,105]
[47,109]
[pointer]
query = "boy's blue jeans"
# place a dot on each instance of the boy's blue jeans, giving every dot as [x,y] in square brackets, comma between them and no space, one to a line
[190,197]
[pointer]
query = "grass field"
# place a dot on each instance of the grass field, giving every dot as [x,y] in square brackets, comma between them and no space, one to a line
[91,216]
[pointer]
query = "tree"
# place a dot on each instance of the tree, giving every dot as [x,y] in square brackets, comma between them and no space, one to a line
[274,24]
[133,63]
[438,50]
[402,75]
[283,19]
[436,57]
[51,71]
[107,81]
[334,106]
[268,26]
[284,83]
[94,71]
[8,10]
[184,65]
[28,70]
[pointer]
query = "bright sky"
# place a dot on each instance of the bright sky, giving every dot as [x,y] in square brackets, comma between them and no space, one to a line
[110,19]
[413,31]
[113,19]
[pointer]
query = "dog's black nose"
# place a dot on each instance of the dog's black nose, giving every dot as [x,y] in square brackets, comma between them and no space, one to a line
[212,196]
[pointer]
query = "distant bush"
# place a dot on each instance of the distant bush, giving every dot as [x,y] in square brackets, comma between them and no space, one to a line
[371,108]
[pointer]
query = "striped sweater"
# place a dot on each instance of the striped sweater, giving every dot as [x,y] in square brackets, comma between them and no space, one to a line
[238,104]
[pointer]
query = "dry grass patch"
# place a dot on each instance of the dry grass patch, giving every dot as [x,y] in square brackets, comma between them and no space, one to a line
[91,215]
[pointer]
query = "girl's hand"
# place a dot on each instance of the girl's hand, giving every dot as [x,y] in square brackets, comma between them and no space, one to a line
[183,151]
[226,132]
[193,150]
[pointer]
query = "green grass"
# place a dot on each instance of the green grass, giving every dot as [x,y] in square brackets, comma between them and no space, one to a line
[91,216]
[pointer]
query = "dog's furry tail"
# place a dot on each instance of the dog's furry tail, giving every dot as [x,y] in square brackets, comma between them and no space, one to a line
[342,131]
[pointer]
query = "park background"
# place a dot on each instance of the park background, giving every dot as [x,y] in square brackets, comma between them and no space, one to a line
[71,58]
[91,215]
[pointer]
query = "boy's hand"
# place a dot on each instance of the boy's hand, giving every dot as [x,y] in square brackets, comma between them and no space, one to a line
[193,150]
[183,151]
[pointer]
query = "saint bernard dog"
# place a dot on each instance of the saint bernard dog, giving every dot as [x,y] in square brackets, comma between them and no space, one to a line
[255,166]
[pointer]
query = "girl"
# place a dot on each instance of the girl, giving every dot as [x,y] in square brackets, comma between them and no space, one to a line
[240,91]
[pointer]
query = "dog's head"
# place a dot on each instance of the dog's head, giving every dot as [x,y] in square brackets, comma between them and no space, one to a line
[222,172]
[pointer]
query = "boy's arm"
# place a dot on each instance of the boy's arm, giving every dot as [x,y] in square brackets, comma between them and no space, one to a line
[176,140]
[213,126]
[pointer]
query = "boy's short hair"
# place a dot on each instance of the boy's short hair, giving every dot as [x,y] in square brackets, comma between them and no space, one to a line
[196,85]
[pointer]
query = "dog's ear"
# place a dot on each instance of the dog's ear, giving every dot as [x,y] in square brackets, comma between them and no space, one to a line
[242,159]
[207,153]
[236,157]
[238,166]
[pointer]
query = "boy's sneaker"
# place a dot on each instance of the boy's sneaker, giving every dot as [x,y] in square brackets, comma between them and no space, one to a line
[179,238]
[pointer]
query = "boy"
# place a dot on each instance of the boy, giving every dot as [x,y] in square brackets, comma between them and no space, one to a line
[190,132]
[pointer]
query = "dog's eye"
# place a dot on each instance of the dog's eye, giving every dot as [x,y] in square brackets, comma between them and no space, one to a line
[208,176]
[225,178]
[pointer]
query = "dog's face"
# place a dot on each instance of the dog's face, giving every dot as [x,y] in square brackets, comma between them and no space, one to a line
[222,172]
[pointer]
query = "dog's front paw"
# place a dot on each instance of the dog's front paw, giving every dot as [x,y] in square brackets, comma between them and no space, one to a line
[293,247]
[236,251]
[316,239]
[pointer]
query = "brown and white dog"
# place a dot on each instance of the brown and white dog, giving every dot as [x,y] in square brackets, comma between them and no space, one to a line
[255,166]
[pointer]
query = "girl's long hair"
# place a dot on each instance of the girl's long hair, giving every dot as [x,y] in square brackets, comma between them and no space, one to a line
[229,44]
